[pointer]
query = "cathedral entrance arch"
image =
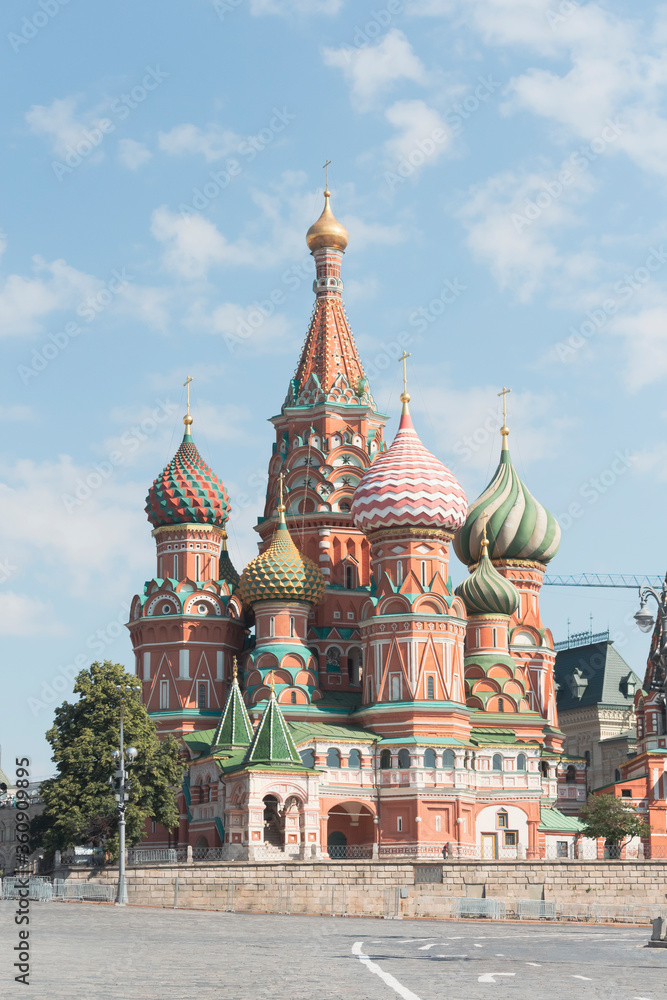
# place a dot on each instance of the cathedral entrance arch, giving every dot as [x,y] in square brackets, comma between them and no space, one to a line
[273,833]
[350,830]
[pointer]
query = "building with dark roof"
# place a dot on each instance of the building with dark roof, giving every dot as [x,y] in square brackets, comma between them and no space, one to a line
[595,692]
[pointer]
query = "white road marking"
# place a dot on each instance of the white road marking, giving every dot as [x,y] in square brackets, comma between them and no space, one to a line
[412,940]
[500,955]
[535,964]
[478,946]
[587,978]
[425,947]
[488,977]
[384,976]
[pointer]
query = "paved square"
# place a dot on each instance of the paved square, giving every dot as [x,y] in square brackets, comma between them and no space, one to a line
[93,952]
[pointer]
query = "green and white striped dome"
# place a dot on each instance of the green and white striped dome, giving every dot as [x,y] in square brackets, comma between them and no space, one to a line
[486,592]
[518,527]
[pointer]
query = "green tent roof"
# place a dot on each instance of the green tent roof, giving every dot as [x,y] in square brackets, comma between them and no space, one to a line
[234,728]
[272,742]
[554,821]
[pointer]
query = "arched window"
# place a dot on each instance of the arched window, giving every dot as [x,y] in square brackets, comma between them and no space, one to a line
[399,573]
[385,760]
[200,790]
[344,506]
[497,764]
[429,758]
[333,659]
[501,819]
[292,627]
[501,705]
[521,762]
[404,759]
[350,576]
[544,768]
[430,689]
[424,574]
[571,774]
[617,775]
[197,567]
[292,697]
[307,758]
[333,757]
[354,760]
[175,567]
[587,756]
[272,625]
[354,661]
[448,759]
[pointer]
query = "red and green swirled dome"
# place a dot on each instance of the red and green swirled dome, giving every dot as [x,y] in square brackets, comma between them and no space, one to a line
[187,491]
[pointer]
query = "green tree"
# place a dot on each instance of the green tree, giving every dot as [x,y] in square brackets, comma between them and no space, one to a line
[610,817]
[80,807]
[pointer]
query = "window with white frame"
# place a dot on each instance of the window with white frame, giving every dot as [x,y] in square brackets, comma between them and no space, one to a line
[424,570]
[437,824]
[164,694]
[292,627]
[399,572]
[399,823]
[197,567]
[272,626]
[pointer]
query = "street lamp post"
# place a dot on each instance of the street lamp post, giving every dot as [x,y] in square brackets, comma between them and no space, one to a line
[645,621]
[122,757]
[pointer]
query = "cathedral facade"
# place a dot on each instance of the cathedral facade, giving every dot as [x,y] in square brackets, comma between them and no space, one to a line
[339,696]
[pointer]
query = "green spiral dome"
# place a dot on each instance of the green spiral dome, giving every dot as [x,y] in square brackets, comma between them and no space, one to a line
[517,525]
[486,592]
[281,573]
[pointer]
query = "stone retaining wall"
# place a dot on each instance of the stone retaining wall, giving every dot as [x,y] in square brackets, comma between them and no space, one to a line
[382,889]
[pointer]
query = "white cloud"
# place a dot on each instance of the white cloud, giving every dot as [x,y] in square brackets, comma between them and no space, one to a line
[257,328]
[15,413]
[148,304]
[26,302]
[373,70]
[59,123]
[26,615]
[645,336]
[422,134]
[510,231]
[133,154]
[192,243]
[213,143]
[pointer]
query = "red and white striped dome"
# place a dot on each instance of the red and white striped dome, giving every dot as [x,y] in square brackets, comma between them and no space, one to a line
[408,487]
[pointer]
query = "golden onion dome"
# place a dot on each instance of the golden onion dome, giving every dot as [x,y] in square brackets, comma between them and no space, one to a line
[281,573]
[327,231]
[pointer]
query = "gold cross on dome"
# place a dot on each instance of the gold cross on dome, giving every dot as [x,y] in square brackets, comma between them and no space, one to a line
[326,169]
[281,483]
[187,382]
[404,358]
[504,394]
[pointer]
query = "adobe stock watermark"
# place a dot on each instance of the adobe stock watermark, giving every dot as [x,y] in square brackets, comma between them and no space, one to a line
[576,162]
[597,318]
[248,149]
[560,12]
[595,488]
[94,645]
[31,26]
[88,309]
[425,148]
[131,442]
[7,570]
[488,429]
[377,23]
[121,108]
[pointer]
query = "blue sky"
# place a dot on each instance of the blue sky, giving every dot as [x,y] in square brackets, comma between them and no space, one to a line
[500,165]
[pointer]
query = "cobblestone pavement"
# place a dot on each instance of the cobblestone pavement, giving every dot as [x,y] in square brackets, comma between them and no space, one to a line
[93,952]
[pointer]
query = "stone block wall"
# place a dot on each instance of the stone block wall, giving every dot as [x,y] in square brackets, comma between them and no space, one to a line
[382,888]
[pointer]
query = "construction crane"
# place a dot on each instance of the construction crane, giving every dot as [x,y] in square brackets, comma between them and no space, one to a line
[604,580]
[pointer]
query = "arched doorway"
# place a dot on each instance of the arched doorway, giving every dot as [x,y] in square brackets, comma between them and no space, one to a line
[350,830]
[272,825]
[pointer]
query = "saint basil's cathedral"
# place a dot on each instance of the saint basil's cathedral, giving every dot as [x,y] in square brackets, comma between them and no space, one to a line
[339,697]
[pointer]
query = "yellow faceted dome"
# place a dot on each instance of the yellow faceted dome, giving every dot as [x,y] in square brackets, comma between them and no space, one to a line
[281,573]
[327,231]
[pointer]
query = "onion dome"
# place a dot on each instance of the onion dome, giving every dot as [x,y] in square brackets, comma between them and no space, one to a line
[518,526]
[327,231]
[407,486]
[187,491]
[281,573]
[486,592]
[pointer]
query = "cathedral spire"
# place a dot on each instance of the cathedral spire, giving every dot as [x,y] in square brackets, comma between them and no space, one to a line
[329,369]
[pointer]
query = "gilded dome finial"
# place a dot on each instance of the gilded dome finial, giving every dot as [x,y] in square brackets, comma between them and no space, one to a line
[504,430]
[327,231]
[187,419]
[405,395]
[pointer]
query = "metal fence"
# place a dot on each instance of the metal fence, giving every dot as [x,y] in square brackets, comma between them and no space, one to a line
[38,888]
[465,906]
[68,891]
[344,851]
[151,855]
[535,909]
